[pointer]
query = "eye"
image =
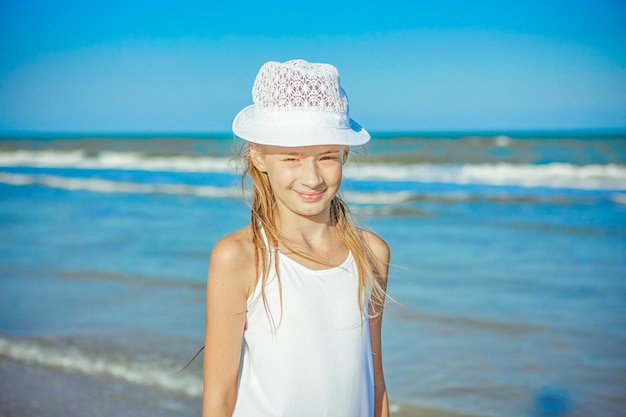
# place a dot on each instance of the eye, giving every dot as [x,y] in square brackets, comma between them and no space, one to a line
[330,158]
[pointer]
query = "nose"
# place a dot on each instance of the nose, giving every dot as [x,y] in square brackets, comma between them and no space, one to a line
[310,174]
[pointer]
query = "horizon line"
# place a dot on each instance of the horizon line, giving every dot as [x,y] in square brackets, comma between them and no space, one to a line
[34,134]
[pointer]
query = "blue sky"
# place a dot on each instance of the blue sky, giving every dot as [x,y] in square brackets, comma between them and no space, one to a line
[165,66]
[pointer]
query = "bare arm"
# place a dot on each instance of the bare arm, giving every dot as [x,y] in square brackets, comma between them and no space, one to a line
[381,401]
[228,285]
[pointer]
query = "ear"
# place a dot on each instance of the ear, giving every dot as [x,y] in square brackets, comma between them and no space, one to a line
[346,153]
[256,156]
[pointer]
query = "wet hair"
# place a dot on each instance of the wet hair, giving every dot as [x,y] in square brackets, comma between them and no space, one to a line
[263,220]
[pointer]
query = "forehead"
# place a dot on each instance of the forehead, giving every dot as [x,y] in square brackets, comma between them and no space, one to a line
[301,150]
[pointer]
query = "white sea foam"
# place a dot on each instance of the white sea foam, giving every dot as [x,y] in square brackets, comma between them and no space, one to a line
[17,179]
[74,359]
[379,197]
[619,198]
[113,160]
[555,175]
[107,186]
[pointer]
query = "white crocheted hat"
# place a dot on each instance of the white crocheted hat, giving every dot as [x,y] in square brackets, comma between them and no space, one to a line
[297,103]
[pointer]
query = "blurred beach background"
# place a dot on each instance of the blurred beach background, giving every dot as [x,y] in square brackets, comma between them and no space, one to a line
[496,172]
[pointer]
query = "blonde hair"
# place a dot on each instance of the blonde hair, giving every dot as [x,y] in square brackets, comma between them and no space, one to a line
[263,221]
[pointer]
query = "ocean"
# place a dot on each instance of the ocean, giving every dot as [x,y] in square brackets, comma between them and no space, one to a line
[508,275]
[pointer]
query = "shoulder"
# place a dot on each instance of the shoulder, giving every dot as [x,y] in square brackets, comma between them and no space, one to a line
[377,244]
[232,261]
[235,247]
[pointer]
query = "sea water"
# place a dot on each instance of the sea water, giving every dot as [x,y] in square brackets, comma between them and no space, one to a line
[508,273]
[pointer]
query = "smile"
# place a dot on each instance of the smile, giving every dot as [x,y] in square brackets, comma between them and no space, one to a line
[311,196]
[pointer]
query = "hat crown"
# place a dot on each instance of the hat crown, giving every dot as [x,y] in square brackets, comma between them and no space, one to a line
[299,85]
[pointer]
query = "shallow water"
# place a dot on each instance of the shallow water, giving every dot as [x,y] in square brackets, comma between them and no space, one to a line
[509,262]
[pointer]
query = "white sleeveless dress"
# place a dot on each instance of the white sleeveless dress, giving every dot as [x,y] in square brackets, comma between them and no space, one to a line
[316,360]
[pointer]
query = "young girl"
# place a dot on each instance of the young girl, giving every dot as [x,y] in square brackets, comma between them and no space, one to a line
[294,300]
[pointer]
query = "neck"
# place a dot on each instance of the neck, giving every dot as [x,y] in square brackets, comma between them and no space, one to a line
[303,229]
[311,240]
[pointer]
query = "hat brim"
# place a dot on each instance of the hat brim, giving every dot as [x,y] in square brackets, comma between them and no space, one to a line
[249,125]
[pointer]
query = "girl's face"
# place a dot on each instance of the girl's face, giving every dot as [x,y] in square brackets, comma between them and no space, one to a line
[305,179]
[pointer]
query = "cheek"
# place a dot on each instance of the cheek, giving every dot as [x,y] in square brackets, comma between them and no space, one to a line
[336,175]
[279,177]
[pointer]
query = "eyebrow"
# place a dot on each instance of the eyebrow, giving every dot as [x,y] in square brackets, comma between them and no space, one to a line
[300,153]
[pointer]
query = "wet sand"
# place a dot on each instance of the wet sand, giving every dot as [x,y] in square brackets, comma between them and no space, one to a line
[29,390]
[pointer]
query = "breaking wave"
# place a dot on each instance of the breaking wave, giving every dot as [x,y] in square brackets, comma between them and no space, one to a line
[155,373]
[208,191]
[108,186]
[382,202]
[553,175]
[113,160]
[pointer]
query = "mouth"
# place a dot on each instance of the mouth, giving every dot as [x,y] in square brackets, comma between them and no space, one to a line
[314,196]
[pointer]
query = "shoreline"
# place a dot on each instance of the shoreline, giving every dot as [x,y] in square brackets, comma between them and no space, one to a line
[410,410]
[33,390]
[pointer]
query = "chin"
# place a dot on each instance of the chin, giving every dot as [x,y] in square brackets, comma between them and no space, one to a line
[313,209]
